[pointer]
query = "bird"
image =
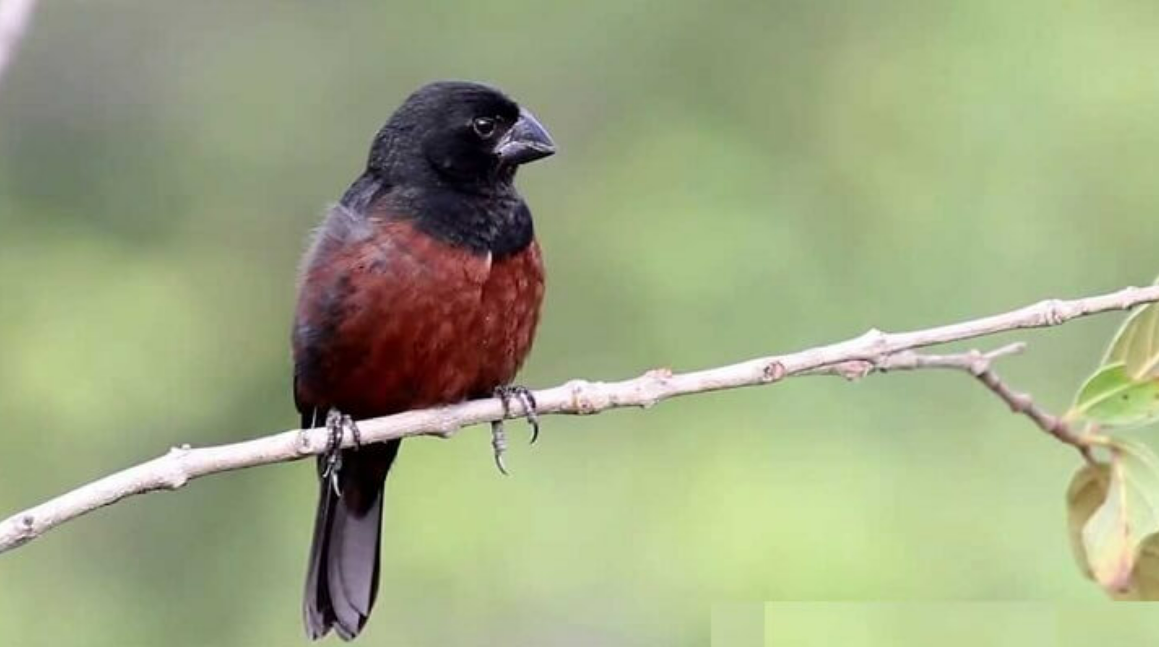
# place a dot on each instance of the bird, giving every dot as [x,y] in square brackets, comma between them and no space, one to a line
[421,287]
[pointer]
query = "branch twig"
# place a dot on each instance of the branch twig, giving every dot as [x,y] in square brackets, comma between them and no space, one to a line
[911,361]
[15,16]
[975,363]
[1024,404]
[978,364]
[875,348]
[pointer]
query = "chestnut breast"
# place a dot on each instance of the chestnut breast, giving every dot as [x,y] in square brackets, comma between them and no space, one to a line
[400,320]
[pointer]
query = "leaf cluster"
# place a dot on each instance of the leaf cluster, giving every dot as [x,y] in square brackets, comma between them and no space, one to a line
[1113,502]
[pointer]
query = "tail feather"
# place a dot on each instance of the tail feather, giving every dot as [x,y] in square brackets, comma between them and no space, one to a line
[318,610]
[342,577]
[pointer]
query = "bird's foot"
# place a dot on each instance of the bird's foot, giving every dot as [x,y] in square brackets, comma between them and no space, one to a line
[337,423]
[526,399]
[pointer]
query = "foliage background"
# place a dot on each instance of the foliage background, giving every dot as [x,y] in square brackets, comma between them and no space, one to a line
[736,179]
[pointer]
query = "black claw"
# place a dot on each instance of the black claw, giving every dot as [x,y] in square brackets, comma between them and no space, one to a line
[527,399]
[330,472]
[499,445]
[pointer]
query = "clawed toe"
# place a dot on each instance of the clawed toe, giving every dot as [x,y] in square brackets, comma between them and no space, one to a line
[498,434]
[499,445]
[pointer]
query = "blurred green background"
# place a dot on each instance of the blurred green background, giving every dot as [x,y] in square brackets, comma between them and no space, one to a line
[736,179]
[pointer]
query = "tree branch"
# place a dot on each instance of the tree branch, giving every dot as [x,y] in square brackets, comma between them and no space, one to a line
[15,16]
[874,350]
[1024,404]
[978,364]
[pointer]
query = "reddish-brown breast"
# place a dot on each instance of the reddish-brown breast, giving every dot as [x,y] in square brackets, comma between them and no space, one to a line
[396,320]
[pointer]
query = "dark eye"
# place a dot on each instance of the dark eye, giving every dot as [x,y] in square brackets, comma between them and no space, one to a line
[483,126]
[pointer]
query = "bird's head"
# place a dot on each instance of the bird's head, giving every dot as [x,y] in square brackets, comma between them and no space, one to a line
[465,133]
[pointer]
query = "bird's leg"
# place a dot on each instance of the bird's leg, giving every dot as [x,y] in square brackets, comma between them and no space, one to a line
[332,457]
[337,423]
[498,434]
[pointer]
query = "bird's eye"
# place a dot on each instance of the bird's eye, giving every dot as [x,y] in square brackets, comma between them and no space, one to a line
[483,126]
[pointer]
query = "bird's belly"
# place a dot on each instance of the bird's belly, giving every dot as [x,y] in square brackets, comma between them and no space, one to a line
[450,344]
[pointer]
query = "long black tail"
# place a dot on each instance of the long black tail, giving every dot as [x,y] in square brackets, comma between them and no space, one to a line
[342,578]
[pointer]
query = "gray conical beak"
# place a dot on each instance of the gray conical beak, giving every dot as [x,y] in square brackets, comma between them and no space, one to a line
[525,142]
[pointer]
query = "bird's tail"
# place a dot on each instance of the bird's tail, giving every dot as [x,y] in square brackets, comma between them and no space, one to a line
[342,577]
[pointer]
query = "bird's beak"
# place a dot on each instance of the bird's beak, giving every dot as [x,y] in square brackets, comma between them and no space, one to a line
[526,141]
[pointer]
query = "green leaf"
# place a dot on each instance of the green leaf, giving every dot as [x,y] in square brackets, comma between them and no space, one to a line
[1113,398]
[1136,345]
[1113,536]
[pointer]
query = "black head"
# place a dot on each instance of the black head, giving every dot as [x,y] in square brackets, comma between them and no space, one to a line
[458,133]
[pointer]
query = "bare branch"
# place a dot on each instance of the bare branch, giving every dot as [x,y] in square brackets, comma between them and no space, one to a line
[911,361]
[877,350]
[1024,404]
[975,363]
[15,15]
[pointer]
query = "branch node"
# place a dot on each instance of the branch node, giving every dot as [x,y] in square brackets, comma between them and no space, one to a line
[176,479]
[1054,312]
[445,431]
[1131,297]
[172,473]
[1020,402]
[774,371]
[302,443]
[874,338]
[659,379]
[582,400]
[659,374]
[979,362]
[177,450]
[28,521]
[854,370]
